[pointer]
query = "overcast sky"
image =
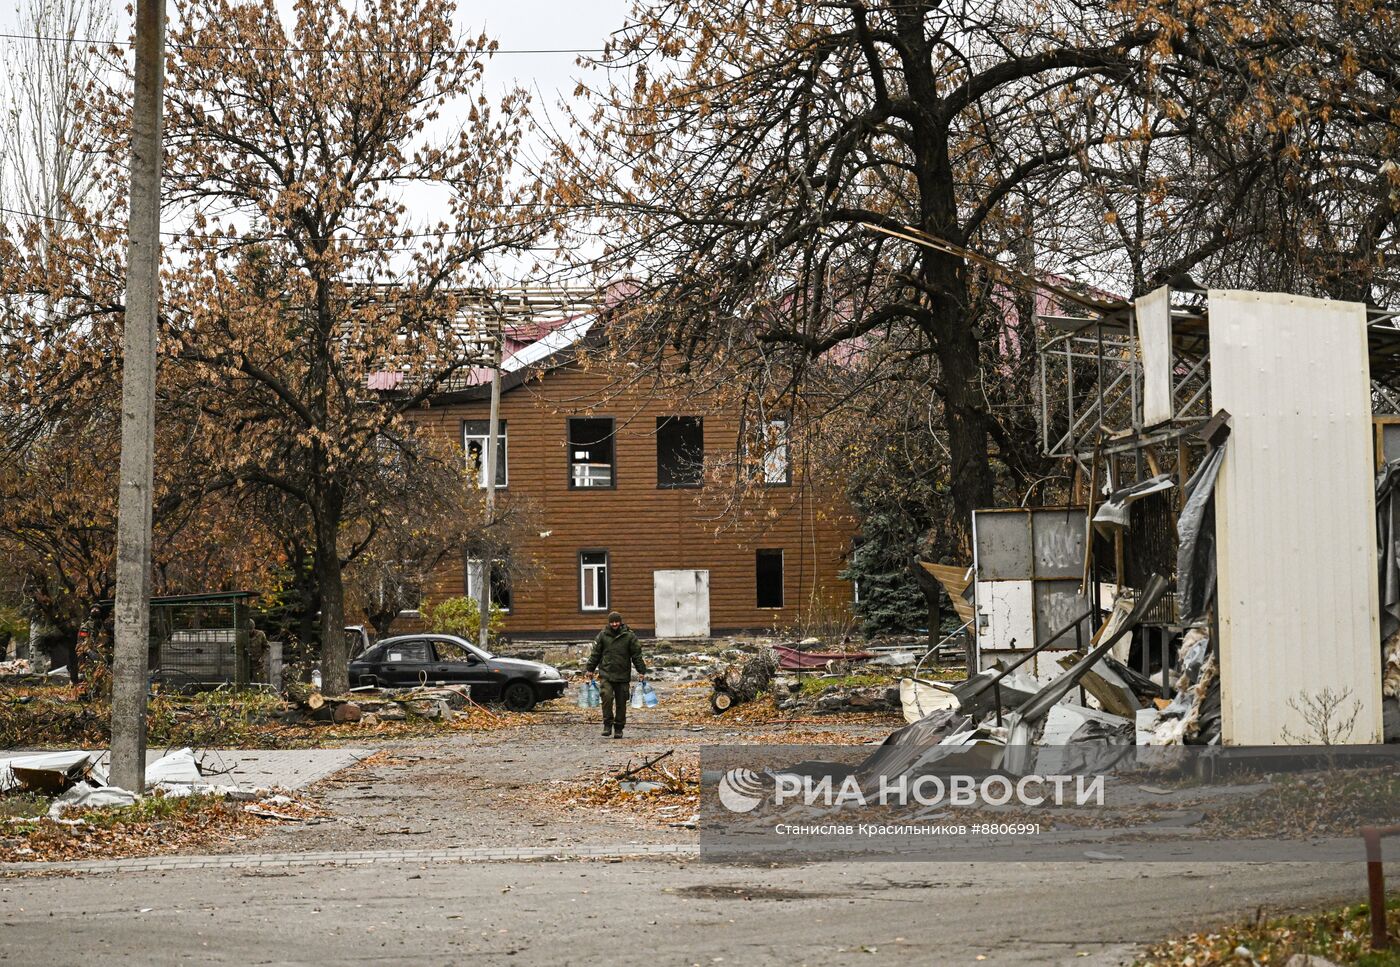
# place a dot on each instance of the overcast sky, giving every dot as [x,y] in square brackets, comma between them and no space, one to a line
[538,40]
[516,24]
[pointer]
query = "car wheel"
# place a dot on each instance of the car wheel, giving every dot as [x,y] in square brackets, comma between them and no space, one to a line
[369,680]
[721,702]
[519,696]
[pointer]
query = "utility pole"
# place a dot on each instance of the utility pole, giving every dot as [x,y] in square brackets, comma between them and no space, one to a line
[483,596]
[133,616]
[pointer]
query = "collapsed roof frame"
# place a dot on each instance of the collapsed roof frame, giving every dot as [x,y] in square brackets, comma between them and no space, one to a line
[1107,414]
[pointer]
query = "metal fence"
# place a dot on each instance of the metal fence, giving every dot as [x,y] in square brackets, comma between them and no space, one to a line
[201,641]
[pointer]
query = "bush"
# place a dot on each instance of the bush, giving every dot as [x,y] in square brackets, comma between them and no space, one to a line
[462,617]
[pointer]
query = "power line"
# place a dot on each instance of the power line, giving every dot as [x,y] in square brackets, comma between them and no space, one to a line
[238,239]
[308,50]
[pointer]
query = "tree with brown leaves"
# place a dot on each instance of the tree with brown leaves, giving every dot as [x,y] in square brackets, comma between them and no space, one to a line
[312,313]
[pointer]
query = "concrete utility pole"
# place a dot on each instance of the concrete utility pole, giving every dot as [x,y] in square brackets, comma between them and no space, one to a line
[483,595]
[133,616]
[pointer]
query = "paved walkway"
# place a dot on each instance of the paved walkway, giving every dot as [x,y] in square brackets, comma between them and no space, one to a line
[245,768]
[462,854]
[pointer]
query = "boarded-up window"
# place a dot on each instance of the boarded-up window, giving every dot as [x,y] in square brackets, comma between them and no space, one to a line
[680,451]
[591,452]
[768,578]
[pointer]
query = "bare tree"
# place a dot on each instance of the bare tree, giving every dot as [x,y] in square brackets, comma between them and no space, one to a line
[47,164]
[738,167]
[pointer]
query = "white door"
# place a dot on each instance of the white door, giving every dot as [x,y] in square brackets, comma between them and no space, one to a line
[682,603]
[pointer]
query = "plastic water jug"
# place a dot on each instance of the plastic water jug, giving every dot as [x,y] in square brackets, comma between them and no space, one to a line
[637,700]
[648,695]
[588,695]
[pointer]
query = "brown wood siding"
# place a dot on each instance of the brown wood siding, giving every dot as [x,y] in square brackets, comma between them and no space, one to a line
[645,528]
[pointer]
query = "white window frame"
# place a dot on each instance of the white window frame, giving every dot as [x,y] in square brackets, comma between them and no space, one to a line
[502,452]
[593,579]
[418,611]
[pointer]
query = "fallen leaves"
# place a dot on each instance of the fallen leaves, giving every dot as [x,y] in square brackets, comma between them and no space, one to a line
[1341,935]
[675,799]
[156,826]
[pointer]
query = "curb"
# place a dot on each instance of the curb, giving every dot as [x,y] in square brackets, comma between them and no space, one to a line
[146,864]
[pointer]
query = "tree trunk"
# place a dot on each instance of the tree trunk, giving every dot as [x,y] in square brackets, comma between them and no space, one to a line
[933,600]
[335,653]
[965,415]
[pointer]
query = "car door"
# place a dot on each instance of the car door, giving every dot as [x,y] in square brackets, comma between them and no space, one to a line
[459,665]
[405,664]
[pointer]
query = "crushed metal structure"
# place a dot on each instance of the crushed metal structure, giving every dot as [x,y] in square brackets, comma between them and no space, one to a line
[1219,576]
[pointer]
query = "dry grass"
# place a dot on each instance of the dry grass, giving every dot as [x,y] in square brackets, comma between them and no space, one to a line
[50,717]
[155,826]
[1342,936]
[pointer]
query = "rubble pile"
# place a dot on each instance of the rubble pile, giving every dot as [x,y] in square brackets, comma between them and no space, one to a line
[60,806]
[664,790]
[818,696]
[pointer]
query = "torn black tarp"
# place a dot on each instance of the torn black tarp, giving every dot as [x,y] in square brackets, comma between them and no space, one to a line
[1388,546]
[1195,531]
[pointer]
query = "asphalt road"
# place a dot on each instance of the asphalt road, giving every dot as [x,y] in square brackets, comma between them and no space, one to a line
[651,912]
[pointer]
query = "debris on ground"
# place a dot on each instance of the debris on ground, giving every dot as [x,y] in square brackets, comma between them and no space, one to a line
[1339,936]
[690,702]
[737,685]
[47,772]
[16,668]
[154,825]
[664,790]
[800,658]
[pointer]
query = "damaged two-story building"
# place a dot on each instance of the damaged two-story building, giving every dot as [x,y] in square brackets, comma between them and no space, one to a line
[622,509]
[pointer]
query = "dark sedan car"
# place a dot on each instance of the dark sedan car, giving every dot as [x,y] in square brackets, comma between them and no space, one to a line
[410,661]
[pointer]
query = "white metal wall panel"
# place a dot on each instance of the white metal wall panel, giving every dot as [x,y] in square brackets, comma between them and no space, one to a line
[682,603]
[1154,334]
[1295,513]
[1005,615]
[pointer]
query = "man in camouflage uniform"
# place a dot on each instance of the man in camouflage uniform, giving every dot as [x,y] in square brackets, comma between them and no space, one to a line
[87,650]
[616,651]
[258,653]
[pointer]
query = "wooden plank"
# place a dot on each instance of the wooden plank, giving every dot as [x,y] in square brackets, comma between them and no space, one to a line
[955,581]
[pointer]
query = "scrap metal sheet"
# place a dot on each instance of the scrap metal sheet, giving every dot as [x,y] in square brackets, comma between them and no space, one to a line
[1295,516]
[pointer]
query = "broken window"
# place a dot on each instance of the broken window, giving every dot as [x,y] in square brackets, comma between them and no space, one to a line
[776,470]
[591,452]
[452,651]
[680,451]
[409,590]
[409,651]
[768,578]
[500,582]
[475,435]
[593,580]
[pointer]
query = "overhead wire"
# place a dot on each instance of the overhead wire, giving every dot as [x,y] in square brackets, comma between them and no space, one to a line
[400,236]
[273,49]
